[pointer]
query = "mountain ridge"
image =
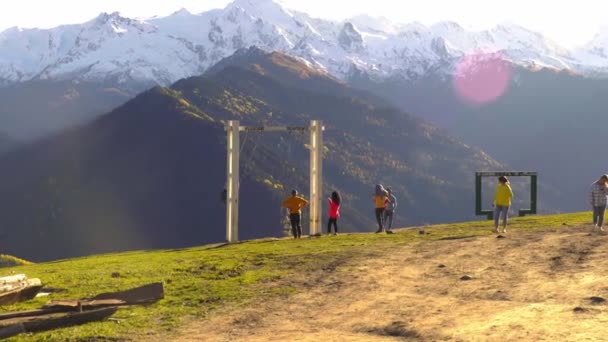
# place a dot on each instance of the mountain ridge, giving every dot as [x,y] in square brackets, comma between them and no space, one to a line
[149,174]
[164,49]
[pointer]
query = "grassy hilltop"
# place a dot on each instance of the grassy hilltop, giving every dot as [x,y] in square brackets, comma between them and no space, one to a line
[200,282]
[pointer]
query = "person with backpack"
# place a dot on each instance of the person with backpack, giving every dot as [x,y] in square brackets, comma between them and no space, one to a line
[597,199]
[295,204]
[380,201]
[389,212]
[334,212]
[502,203]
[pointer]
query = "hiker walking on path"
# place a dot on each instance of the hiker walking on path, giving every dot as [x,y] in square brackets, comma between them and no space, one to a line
[389,213]
[502,202]
[295,204]
[597,199]
[334,212]
[380,202]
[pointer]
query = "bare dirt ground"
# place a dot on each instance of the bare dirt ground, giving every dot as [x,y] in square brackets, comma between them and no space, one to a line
[527,286]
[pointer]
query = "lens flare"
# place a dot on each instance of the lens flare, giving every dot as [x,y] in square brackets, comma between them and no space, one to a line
[481,78]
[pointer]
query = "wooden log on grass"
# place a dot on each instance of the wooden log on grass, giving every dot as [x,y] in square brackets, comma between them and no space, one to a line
[146,294]
[11,330]
[17,278]
[31,313]
[19,295]
[54,321]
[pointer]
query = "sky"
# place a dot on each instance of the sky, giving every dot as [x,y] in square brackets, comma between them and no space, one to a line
[568,22]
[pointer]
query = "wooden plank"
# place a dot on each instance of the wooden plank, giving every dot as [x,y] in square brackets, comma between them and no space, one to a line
[13,279]
[64,313]
[32,313]
[146,294]
[54,321]
[15,320]
[70,319]
[19,295]
[74,304]
[8,287]
[141,295]
[15,329]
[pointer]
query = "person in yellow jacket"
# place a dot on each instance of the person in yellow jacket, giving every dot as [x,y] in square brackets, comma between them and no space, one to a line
[502,202]
[381,200]
[295,204]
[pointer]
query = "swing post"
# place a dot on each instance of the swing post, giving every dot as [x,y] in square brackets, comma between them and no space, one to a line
[316,182]
[232,181]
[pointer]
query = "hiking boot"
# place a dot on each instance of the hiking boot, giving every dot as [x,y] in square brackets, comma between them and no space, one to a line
[378,231]
[389,232]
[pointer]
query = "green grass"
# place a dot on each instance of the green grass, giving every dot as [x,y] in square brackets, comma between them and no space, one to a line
[199,280]
[11,261]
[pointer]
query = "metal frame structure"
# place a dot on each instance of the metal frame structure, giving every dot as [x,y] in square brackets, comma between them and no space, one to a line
[490,213]
[232,173]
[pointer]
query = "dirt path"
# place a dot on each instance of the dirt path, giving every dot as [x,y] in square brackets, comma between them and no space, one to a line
[528,286]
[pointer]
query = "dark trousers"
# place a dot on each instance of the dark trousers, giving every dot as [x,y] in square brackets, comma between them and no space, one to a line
[380,218]
[331,221]
[598,215]
[296,226]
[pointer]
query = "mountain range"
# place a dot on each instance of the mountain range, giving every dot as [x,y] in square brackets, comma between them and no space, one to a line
[150,173]
[163,50]
[52,79]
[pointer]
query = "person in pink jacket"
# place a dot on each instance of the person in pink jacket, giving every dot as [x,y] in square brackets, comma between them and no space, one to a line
[334,212]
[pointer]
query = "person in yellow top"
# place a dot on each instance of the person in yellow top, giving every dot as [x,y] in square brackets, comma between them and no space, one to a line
[502,202]
[295,204]
[380,201]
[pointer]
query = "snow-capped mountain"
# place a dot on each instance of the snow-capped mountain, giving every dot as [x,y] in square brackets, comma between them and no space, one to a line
[163,50]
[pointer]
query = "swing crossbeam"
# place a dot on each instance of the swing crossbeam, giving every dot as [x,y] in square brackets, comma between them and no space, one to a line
[274,129]
[232,172]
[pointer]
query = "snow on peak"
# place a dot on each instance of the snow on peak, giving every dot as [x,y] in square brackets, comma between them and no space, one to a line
[350,38]
[13,29]
[114,23]
[105,17]
[165,49]
[600,39]
[595,52]
[443,27]
[249,4]
[261,8]
[374,24]
[268,10]
[514,31]
[181,12]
